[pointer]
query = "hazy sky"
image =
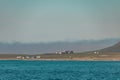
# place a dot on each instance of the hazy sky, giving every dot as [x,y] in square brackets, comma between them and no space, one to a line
[58,20]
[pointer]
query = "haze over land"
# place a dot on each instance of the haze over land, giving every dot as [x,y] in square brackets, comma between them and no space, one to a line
[46,26]
[39,48]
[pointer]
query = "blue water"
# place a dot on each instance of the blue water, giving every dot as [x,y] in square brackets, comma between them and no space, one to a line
[59,70]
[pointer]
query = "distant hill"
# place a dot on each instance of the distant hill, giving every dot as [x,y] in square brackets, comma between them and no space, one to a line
[114,48]
[52,47]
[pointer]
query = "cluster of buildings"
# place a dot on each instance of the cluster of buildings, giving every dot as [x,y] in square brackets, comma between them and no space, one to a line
[65,52]
[28,57]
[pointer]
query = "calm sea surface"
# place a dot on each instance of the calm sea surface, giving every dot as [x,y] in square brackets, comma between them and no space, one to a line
[59,70]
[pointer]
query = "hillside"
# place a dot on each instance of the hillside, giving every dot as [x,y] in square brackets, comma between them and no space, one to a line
[114,48]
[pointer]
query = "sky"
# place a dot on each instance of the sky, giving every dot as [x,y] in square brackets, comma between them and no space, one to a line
[58,20]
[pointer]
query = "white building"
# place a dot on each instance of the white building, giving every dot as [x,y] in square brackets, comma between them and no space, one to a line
[37,57]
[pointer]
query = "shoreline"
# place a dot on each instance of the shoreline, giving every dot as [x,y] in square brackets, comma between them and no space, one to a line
[63,59]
